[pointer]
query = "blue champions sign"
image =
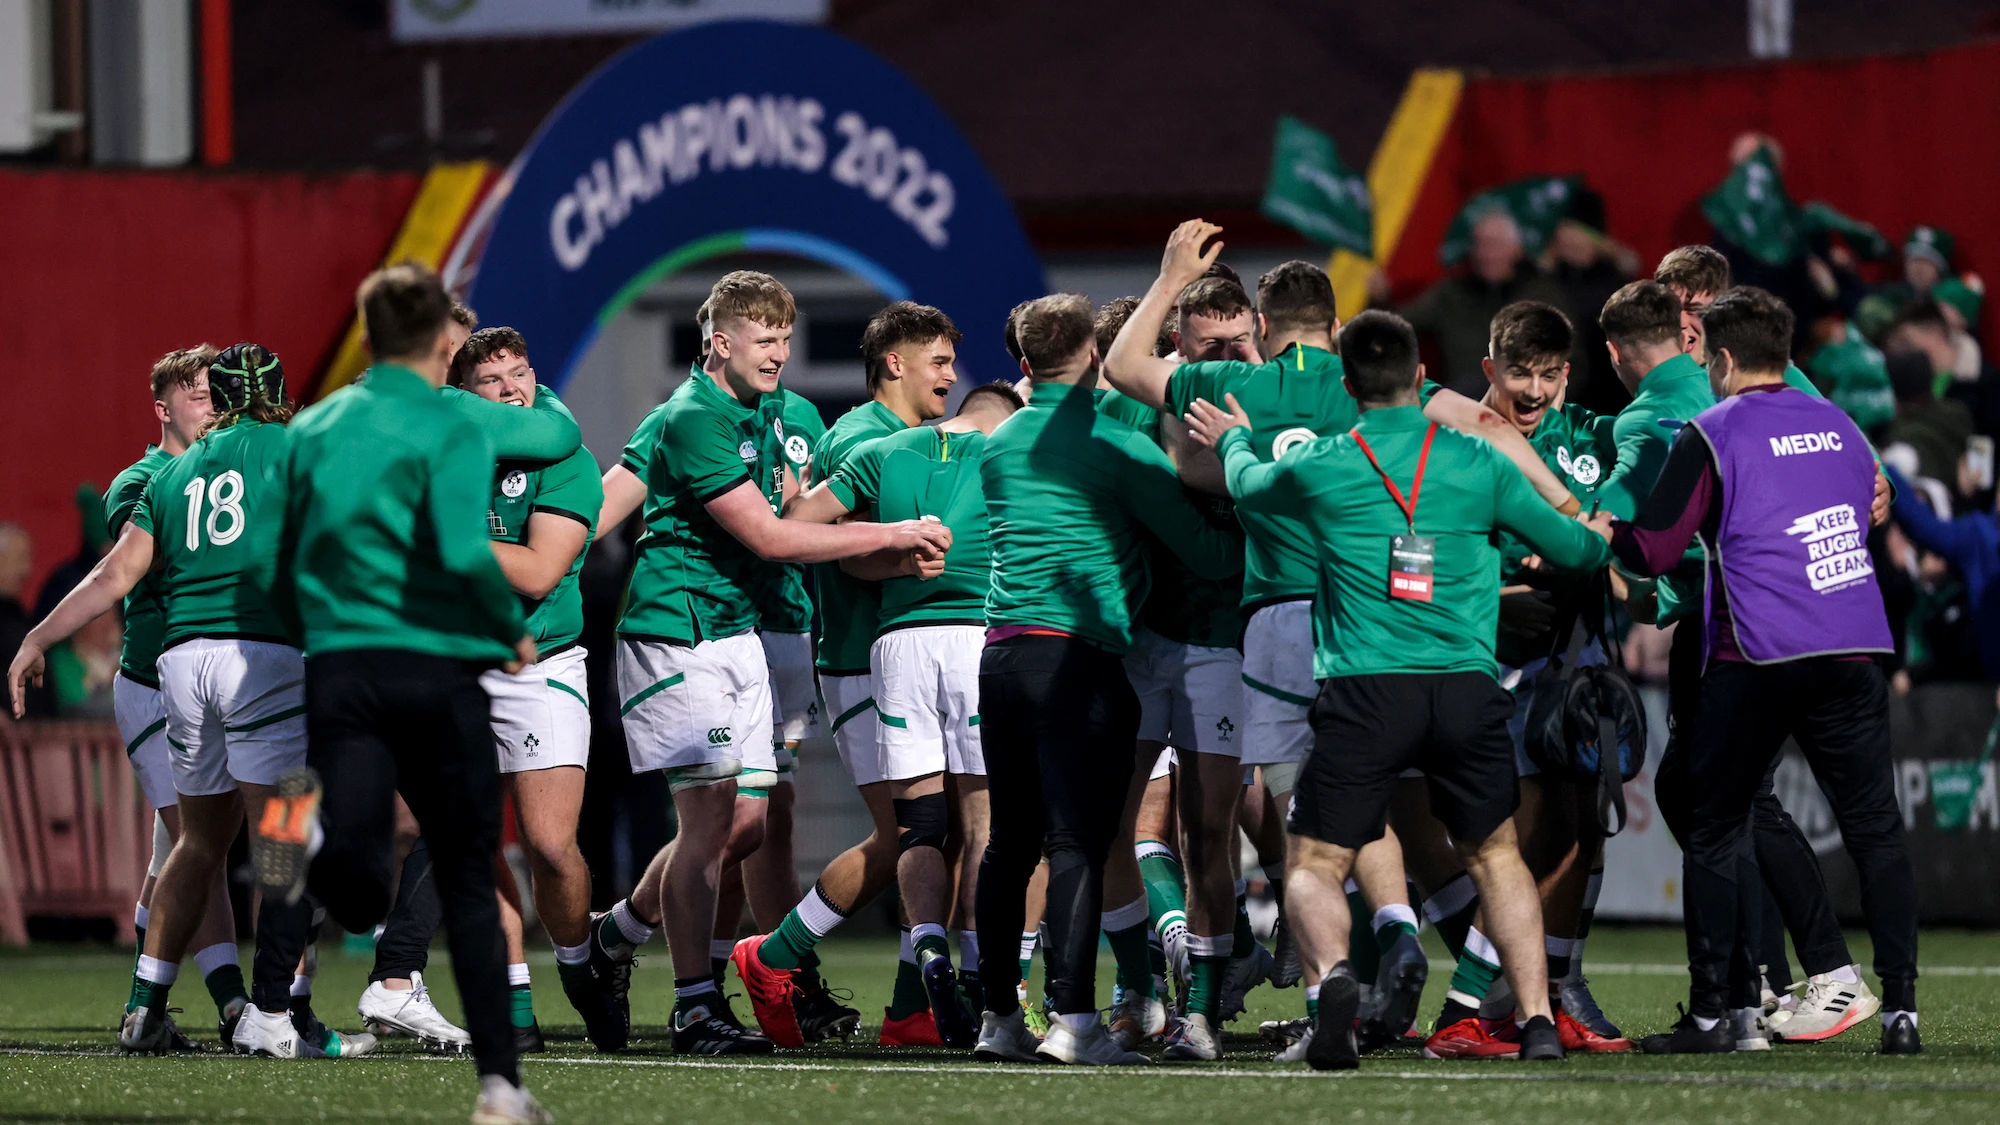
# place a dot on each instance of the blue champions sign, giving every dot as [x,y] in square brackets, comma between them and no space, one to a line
[749,136]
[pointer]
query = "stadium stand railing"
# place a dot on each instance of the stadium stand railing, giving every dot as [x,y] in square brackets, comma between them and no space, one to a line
[74,830]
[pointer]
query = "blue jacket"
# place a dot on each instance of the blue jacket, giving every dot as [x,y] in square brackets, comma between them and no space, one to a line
[1971,544]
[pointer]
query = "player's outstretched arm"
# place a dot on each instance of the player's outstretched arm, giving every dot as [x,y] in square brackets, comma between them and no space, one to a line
[100,592]
[545,432]
[1449,408]
[623,493]
[1131,366]
[1152,493]
[744,512]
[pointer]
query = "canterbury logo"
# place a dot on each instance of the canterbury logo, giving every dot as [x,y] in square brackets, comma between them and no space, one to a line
[718,735]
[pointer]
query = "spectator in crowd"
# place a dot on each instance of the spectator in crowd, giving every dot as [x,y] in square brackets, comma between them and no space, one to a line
[1924,327]
[17,561]
[1928,434]
[1589,266]
[1970,543]
[1457,313]
[96,542]
[81,668]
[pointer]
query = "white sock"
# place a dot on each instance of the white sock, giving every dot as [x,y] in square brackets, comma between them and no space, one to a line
[1889,1018]
[1481,946]
[1348,887]
[1449,899]
[1703,1023]
[1028,942]
[701,988]
[924,930]
[1125,917]
[968,950]
[818,912]
[215,956]
[1394,912]
[1847,974]
[157,971]
[1147,849]
[1212,945]
[141,916]
[908,950]
[302,985]
[1312,992]
[636,931]
[517,975]
[573,954]
[720,948]
[1078,1021]
[1558,946]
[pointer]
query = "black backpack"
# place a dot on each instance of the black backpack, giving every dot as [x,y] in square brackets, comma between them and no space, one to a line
[1576,711]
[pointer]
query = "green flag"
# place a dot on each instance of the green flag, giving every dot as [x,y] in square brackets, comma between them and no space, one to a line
[1862,238]
[1537,205]
[1313,192]
[1751,209]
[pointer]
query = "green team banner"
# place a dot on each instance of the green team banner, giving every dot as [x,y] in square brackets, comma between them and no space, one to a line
[1751,209]
[1537,205]
[1314,192]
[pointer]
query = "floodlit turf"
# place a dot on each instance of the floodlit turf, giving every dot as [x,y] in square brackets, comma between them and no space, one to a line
[57,1062]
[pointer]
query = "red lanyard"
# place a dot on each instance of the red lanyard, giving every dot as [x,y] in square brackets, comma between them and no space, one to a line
[1409,506]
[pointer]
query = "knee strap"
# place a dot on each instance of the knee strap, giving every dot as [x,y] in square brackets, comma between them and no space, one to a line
[925,821]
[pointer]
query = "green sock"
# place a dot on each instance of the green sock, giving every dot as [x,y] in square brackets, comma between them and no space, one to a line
[146,994]
[1205,984]
[1312,1003]
[909,997]
[1478,968]
[1362,952]
[225,984]
[1135,963]
[521,1002]
[789,945]
[1165,886]
[1389,932]
[932,943]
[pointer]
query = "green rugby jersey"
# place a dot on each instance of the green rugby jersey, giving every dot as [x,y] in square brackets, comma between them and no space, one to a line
[848,607]
[1469,491]
[783,605]
[544,433]
[1668,398]
[216,513]
[1069,492]
[1575,443]
[570,488]
[145,612]
[1292,398]
[1182,606]
[692,580]
[386,526]
[923,471]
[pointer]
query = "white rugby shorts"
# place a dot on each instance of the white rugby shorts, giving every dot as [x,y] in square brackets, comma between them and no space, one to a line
[236,712]
[1278,684]
[705,709]
[142,723]
[1190,696]
[541,714]
[795,705]
[927,701]
[850,701]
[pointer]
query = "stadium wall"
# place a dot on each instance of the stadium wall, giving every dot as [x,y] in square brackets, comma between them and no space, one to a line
[101,272]
[1893,139]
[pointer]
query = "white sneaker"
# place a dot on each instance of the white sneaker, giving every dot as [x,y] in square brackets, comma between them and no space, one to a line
[270,1033]
[1136,1019]
[1828,1008]
[410,1012]
[503,1103]
[1753,1030]
[1089,1047]
[1194,1040]
[1296,1053]
[1005,1038]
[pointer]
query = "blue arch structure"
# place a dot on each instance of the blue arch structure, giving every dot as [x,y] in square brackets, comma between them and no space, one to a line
[749,136]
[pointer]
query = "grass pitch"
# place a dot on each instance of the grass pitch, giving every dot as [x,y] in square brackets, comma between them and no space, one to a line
[58,1061]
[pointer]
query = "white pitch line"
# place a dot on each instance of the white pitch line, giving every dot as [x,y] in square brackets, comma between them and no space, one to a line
[1110,1073]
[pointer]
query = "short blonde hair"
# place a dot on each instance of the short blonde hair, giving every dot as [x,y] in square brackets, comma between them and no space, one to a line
[750,295]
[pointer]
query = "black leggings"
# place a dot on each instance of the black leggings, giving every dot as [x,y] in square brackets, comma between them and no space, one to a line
[1838,710]
[383,722]
[405,945]
[1059,724]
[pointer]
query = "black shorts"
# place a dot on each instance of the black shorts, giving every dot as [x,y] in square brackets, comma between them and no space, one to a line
[1369,729]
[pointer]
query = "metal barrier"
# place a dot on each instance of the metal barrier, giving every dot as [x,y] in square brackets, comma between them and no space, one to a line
[75,833]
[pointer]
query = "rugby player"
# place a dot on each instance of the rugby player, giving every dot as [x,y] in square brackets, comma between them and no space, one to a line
[908,351]
[1068,494]
[693,677]
[182,405]
[1405,680]
[232,681]
[925,666]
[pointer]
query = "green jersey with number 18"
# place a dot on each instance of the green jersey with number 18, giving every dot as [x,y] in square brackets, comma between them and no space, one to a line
[215,514]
